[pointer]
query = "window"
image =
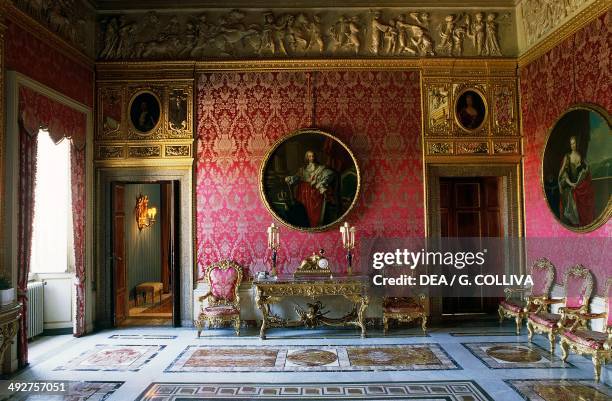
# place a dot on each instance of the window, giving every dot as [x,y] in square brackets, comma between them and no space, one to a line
[52,240]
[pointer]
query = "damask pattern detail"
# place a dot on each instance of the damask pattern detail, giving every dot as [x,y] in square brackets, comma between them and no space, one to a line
[577,70]
[51,67]
[240,115]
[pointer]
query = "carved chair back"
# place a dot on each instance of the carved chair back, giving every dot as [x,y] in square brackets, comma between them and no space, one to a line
[543,275]
[224,279]
[578,285]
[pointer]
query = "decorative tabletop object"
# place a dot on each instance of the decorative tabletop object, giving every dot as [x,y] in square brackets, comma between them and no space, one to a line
[314,265]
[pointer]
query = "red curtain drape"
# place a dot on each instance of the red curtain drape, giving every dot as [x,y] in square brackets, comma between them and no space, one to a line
[38,111]
[27,174]
[77,178]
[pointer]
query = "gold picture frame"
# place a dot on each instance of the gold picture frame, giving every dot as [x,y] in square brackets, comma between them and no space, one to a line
[324,201]
[551,167]
[462,116]
[152,106]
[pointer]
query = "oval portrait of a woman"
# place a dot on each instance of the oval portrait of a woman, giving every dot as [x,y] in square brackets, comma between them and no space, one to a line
[577,168]
[309,180]
[470,110]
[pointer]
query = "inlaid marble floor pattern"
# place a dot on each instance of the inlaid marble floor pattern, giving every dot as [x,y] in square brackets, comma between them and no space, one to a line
[463,363]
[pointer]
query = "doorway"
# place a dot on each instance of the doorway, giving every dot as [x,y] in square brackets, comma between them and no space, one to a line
[145,273]
[470,207]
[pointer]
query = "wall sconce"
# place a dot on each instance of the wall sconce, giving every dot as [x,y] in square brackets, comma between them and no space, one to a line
[145,215]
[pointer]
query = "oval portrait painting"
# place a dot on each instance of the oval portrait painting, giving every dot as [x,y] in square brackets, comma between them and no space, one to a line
[144,112]
[577,168]
[309,180]
[470,110]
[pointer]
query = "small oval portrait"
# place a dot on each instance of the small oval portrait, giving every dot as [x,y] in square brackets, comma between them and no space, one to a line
[577,168]
[144,112]
[470,110]
[309,180]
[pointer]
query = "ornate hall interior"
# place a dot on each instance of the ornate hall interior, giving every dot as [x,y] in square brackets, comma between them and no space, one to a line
[306,200]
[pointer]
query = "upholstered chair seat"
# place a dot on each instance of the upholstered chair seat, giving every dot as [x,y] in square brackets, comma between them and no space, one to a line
[546,319]
[223,280]
[597,344]
[577,287]
[514,306]
[404,309]
[542,275]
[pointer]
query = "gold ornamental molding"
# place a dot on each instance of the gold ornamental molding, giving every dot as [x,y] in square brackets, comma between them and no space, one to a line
[557,36]
[176,70]
[45,35]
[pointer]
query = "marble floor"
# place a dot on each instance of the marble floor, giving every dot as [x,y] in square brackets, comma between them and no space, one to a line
[470,361]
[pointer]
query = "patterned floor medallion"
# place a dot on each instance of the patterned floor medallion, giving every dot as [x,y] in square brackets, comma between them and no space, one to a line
[515,356]
[561,390]
[79,391]
[312,357]
[113,358]
[460,390]
[306,358]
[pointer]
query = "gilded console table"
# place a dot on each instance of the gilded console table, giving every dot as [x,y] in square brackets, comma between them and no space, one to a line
[272,291]
[9,322]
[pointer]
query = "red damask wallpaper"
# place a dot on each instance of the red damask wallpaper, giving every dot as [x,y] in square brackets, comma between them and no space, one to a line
[240,115]
[30,56]
[576,71]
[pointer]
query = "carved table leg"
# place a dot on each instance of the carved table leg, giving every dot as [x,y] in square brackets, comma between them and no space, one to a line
[361,314]
[260,300]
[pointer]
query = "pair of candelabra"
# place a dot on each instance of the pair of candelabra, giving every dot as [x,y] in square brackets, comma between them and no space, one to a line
[348,243]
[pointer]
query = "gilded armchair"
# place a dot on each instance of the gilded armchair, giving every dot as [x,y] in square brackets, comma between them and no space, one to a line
[404,310]
[598,344]
[577,287]
[542,275]
[223,279]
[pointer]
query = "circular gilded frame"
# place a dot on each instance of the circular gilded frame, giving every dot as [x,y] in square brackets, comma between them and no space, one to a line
[263,169]
[137,130]
[606,213]
[482,97]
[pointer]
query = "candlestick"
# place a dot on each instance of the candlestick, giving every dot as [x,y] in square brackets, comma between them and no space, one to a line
[273,244]
[348,243]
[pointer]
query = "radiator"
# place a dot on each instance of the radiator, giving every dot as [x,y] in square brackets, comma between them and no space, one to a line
[36,295]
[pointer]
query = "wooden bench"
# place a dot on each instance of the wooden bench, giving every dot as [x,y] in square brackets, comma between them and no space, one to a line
[149,287]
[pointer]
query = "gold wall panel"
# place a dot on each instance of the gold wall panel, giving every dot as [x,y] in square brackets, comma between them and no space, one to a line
[442,86]
[117,138]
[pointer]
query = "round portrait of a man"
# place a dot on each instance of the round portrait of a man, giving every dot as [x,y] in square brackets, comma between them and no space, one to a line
[577,168]
[309,180]
[144,112]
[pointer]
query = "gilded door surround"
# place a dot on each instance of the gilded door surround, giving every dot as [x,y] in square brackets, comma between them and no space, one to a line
[512,213]
[151,173]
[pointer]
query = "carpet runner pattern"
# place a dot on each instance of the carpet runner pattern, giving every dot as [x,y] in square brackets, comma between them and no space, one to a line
[561,390]
[105,357]
[500,355]
[312,358]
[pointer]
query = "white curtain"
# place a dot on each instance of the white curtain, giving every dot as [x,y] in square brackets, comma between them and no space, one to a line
[52,242]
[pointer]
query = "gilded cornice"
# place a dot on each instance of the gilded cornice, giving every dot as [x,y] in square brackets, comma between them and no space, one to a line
[46,36]
[177,70]
[563,32]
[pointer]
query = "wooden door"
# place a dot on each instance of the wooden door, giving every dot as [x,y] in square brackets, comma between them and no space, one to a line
[175,264]
[118,257]
[170,265]
[470,207]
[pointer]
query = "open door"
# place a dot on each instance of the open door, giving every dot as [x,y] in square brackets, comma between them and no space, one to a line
[118,258]
[170,264]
